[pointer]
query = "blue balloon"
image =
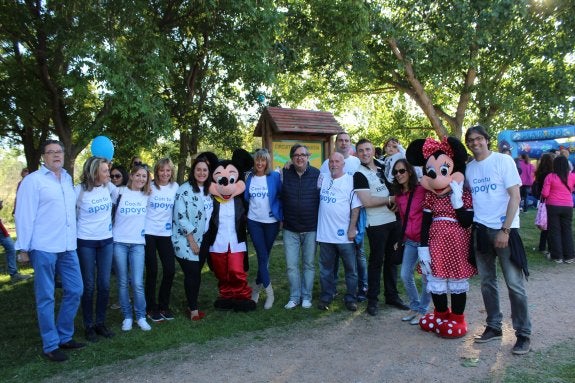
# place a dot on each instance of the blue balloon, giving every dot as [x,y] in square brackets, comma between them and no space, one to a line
[102,147]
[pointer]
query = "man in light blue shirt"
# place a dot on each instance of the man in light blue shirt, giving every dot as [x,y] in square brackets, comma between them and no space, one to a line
[46,229]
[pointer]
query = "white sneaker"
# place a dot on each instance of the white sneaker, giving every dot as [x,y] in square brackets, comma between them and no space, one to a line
[127,325]
[306,304]
[144,324]
[290,305]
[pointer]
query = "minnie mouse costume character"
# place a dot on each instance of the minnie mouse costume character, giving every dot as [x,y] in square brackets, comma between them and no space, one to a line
[445,232]
[227,234]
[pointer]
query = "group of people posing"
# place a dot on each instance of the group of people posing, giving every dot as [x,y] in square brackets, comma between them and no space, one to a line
[415,202]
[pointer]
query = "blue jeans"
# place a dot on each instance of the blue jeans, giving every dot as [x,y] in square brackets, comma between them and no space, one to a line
[55,331]
[8,244]
[263,237]
[361,268]
[133,254]
[96,266]
[327,257]
[301,282]
[513,276]
[417,302]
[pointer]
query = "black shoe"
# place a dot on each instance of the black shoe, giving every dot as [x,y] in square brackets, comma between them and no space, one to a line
[488,335]
[102,330]
[351,306]
[323,306]
[522,346]
[72,345]
[56,355]
[90,334]
[372,310]
[155,316]
[167,314]
[398,304]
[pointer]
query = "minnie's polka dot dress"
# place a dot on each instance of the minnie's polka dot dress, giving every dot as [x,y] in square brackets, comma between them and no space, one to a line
[448,241]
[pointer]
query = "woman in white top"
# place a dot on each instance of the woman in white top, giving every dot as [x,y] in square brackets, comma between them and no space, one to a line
[95,244]
[129,241]
[263,190]
[192,211]
[158,239]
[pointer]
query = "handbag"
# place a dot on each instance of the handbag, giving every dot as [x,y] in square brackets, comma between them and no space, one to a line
[397,255]
[541,216]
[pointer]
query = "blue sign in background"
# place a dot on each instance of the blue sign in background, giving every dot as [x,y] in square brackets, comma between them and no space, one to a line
[535,142]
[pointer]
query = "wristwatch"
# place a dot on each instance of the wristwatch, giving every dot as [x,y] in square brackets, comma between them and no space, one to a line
[506,230]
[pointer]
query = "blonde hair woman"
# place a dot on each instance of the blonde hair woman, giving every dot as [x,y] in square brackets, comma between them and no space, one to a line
[263,188]
[158,240]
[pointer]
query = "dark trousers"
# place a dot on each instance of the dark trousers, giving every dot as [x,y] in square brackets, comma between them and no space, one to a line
[543,240]
[524,191]
[165,250]
[560,231]
[192,279]
[381,241]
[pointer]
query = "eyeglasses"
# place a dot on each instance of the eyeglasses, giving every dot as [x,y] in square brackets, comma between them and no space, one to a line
[141,165]
[115,176]
[52,152]
[476,139]
[300,156]
[394,172]
[137,163]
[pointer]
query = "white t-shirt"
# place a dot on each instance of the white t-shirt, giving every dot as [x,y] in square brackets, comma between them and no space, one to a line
[130,221]
[336,200]
[350,167]
[160,210]
[93,212]
[259,209]
[489,180]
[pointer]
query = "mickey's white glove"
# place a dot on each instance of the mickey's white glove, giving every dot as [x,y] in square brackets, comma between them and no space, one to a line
[457,194]
[424,260]
[401,149]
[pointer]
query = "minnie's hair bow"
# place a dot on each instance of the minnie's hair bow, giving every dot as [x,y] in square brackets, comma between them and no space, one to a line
[431,146]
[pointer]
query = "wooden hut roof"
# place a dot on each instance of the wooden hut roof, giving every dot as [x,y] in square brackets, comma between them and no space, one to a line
[285,120]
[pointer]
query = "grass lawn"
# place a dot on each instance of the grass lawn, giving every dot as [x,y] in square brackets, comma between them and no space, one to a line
[20,344]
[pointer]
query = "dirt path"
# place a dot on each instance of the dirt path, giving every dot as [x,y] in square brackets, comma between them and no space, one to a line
[359,348]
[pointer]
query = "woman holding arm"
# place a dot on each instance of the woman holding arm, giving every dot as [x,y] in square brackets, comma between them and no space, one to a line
[95,244]
[263,189]
[192,211]
[406,188]
[129,243]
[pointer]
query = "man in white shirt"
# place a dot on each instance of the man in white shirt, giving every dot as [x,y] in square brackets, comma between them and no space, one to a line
[337,218]
[46,229]
[343,146]
[352,163]
[494,182]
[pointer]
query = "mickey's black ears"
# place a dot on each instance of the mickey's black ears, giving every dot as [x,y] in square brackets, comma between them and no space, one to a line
[243,160]
[414,153]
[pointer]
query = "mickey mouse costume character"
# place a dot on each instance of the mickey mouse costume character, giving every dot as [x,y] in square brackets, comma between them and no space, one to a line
[227,234]
[445,232]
